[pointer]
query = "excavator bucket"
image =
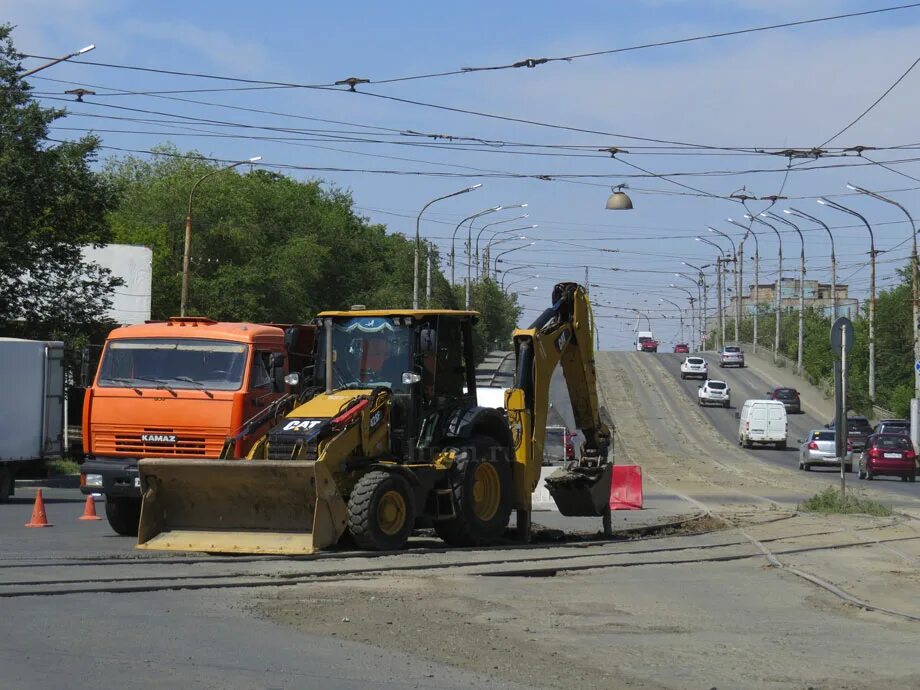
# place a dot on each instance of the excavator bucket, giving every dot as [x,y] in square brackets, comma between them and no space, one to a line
[581,491]
[238,506]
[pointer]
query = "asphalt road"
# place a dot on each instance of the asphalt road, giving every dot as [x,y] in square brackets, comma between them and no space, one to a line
[745,384]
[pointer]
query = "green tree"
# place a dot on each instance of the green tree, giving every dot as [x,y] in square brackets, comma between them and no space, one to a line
[51,205]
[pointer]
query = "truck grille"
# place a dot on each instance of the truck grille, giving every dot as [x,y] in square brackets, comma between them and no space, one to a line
[157,441]
[281,447]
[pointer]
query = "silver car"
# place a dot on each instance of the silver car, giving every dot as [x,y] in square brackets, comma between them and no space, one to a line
[820,449]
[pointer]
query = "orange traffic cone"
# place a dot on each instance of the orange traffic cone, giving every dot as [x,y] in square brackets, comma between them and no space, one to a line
[39,519]
[89,511]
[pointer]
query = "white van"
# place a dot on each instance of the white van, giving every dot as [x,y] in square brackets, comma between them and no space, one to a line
[762,421]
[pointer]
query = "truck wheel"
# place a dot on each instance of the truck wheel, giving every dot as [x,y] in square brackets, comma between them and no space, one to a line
[381,511]
[123,514]
[481,487]
[781,445]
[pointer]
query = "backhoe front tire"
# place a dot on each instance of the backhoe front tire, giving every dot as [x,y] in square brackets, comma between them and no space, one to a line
[123,514]
[481,485]
[381,511]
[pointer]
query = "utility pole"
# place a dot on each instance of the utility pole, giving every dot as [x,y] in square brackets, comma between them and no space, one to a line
[801,343]
[719,262]
[778,297]
[428,276]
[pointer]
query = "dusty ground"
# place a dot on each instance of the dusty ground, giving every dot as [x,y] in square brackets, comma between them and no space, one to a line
[702,610]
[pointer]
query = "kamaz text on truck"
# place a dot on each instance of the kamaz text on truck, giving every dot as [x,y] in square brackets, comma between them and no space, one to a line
[179,388]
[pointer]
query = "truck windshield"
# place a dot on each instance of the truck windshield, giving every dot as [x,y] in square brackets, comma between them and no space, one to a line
[367,351]
[173,363]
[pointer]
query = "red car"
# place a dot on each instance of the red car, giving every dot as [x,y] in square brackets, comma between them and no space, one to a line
[888,454]
[682,348]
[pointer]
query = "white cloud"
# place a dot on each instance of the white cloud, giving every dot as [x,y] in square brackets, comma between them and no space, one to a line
[230,53]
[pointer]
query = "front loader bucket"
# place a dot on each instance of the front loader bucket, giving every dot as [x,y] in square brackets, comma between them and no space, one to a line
[581,491]
[238,506]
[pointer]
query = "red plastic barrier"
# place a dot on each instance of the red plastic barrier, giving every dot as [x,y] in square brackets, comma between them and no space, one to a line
[626,488]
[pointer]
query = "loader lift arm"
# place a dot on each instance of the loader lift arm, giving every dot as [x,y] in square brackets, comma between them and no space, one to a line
[564,334]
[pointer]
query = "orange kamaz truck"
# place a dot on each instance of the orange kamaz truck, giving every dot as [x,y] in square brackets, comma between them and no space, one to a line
[182,388]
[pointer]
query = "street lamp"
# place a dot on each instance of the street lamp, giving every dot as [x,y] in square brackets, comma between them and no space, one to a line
[498,256]
[619,200]
[736,262]
[487,252]
[680,313]
[63,58]
[418,240]
[749,230]
[479,234]
[872,254]
[519,280]
[523,216]
[692,300]
[914,280]
[183,303]
[703,307]
[511,270]
[720,285]
[801,344]
[453,237]
[806,216]
[779,281]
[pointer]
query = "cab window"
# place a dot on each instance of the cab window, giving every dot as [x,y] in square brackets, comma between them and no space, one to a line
[261,370]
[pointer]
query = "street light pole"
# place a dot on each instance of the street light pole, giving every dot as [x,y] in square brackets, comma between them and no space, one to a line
[418,239]
[479,234]
[453,238]
[801,345]
[749,230]
[806,216]
[511,270]
[778,297]
[701,289]
[735,257]
[914,280]
[872,255]
[186,254]
[63,58]
[487,252]
[508,251]
[680,313]
[692,300]
[499,222]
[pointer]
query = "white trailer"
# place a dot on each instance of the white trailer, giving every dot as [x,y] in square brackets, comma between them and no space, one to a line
[32,407]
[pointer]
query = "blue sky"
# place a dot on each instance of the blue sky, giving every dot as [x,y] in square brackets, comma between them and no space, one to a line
[787,88]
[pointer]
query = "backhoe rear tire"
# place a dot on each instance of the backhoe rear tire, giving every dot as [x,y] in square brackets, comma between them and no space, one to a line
[381,511]
[123,514]
[480,481]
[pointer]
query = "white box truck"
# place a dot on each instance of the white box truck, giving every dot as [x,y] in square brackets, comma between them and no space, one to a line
[762,421]
[32,408]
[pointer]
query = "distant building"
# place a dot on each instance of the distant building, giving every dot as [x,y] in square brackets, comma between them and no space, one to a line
[817,295]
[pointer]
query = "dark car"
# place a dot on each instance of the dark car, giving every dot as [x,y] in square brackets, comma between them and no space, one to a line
[893,426]
[888,454]
[682,348]
[858,430]
[789,397]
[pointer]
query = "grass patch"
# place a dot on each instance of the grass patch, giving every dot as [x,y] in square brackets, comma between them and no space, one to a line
[61,466]
[829,502]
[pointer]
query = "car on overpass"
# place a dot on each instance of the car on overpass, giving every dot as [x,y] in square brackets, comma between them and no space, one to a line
[888,454]
[819,449]
[682,348]
[714,392]
[858,430]
[731,356]
[893,426]
[694,367]
[787,396]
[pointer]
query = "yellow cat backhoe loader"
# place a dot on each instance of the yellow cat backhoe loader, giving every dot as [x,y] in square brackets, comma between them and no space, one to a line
[387,434]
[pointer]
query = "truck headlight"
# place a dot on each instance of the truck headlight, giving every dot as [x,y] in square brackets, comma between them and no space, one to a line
[94,480]
[292,379]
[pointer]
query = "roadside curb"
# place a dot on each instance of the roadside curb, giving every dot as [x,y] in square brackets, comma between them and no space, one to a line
[66,481]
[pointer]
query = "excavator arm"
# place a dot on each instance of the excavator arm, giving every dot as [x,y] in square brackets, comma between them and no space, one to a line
[563,334]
